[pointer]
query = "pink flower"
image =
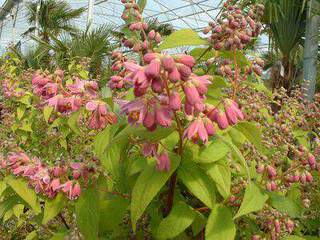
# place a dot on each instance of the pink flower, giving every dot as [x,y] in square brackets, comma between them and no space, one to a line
[168,63]
[149,121]
[184,71]
[186,60]
[148,57]
[163,116]
[233,112]
[196,131]
[163,161]
[65,105]
[192,94]
[151,34]
[174,75]
[136,110]
[201,83]
[149,149]
[209,126]
[175,101]
[153,69]
[49,90]
[157,85]
[55,184]
[75,192]
[100,116]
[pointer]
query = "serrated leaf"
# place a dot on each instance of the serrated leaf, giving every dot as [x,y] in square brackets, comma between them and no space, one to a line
[183,37]
[87,212]
[23,190]
[220,224]
[221,175]
[53,207]
[47,110]
[180,217]
[147,186]
[196,180]
[253,200]
[285,205]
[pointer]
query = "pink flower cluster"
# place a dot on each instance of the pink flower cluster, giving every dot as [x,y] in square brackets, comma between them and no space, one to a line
[166,85]
[71,97]
[136,24]
[151,150]
[45,179]
[235,27]
[11,89]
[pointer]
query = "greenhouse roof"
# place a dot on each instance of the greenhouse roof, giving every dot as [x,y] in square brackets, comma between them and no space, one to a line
[193,14]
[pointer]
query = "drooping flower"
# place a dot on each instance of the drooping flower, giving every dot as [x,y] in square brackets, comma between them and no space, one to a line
[163,116]
[163,161]
[149,149]
[175,101]
[100,116]
[196,131]
[136,110]
[233,112]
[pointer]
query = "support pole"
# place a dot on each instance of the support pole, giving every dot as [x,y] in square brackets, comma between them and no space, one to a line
[311,50]
[90,15]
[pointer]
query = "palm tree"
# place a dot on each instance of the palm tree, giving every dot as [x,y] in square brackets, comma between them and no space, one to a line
[53,17]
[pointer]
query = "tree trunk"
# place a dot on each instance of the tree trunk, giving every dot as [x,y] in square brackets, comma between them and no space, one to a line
[311,49]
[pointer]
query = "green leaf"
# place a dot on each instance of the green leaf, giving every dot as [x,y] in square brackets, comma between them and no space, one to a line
[18,210]
[220,224]
[217,82]
[84,74]
[73,121]
[53,207]
[112,212]
[253,200]
[47,110]
[59,236]
[285,205]
[3,186]
[197,52]
[214,151]
[221,175]
[103,139]
[241,58]
[251,132]
[26,126]
[198,223]
[293,237]
[237,154]
[180,217]
[196,180]
[183,37]
[87,212]
[23,190]
[20,111]
[32,235]
[148,184]
[8,204]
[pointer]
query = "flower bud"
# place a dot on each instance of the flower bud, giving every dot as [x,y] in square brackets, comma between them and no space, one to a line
[175,101]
